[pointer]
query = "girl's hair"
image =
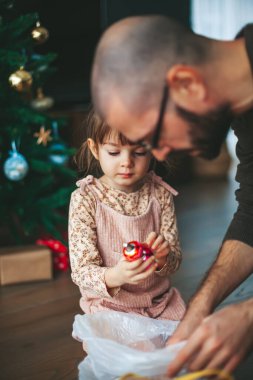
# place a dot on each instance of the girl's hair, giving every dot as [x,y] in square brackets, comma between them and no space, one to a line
[97,130]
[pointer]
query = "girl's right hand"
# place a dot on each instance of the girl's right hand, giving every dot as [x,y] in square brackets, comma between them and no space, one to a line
[129,272]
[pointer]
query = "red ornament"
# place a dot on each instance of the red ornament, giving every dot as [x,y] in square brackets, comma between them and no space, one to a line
[135,250]
[59,251]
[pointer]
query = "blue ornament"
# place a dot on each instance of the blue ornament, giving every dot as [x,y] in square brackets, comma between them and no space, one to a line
[58,155]
[16,166]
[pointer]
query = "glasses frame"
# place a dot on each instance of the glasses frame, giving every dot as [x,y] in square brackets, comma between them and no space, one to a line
[158,127]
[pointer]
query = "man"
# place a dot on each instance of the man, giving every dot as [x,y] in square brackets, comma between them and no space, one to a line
[172,90]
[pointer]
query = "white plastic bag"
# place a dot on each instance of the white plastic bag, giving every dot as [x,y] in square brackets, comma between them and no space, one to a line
[119,343]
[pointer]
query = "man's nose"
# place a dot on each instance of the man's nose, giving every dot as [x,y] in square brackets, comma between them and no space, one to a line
[161,153]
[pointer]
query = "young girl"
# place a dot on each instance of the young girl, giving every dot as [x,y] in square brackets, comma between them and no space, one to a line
[127,202]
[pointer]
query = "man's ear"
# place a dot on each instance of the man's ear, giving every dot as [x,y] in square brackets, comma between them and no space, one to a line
[93,148]
[186,83]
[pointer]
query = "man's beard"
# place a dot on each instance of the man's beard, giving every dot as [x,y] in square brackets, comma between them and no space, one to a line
[208,131]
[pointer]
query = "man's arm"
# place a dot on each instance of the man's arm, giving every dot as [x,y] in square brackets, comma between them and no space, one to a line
[232,266]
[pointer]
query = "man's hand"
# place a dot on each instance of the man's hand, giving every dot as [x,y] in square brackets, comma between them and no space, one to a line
[220,341]
[187,326]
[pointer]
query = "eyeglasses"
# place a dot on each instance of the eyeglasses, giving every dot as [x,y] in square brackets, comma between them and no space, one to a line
[156,137]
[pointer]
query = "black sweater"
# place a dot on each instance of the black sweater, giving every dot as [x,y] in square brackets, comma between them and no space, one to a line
[241,227]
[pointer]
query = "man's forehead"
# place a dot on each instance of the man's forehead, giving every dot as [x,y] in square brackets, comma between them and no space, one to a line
[117,114]
[133,126]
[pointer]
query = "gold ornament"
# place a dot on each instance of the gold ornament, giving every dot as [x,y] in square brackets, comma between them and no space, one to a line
[40,34]
[21,80]
[42,102]
[43,136]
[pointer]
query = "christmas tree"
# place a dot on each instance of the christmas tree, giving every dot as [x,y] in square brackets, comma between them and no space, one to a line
[35,179]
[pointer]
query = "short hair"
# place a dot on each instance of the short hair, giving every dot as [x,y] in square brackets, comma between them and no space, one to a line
[134,55]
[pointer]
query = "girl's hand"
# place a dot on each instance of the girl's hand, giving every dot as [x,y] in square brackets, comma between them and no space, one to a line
[160,247]
[129,272]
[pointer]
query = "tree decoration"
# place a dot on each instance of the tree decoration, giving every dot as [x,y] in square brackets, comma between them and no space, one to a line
[42,102]
[40,34]
[21,80]
[43,136]
[16,166]
[135,250]
[57,148]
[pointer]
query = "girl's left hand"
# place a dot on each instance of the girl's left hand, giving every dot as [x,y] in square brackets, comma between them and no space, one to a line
[160,247]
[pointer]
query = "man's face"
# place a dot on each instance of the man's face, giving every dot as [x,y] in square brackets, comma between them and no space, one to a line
[182,131]
[141,128]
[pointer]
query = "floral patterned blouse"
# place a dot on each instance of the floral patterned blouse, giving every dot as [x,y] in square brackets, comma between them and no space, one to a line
[86,262]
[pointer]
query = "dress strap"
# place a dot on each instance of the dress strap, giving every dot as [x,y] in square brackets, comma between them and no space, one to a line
[84,182]
[156,179]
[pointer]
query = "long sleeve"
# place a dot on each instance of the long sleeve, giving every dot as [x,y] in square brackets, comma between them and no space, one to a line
[86,262]
[241,227]
[170,232]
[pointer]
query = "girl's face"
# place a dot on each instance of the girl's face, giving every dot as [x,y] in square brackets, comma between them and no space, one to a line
[123,165]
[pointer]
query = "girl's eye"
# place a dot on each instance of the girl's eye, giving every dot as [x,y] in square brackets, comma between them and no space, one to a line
[113,153]
[140,153]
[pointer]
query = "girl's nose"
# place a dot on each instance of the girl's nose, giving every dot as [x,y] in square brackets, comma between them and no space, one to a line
[127,161]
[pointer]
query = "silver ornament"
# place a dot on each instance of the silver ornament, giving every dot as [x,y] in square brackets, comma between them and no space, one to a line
[42,102]
[16,167]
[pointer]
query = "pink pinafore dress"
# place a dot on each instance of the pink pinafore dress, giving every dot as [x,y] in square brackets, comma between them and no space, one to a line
[153,297]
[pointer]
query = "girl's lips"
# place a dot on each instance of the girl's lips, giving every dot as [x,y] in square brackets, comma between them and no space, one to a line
[126,175]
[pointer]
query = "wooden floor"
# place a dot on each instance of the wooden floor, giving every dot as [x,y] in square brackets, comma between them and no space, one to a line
[36,319]
[35,331]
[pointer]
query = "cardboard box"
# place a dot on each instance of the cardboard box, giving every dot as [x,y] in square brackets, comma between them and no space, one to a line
[24,264]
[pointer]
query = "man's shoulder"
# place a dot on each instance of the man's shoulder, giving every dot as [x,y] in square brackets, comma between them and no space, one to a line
[247,29]
[244,120]
[243,129]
